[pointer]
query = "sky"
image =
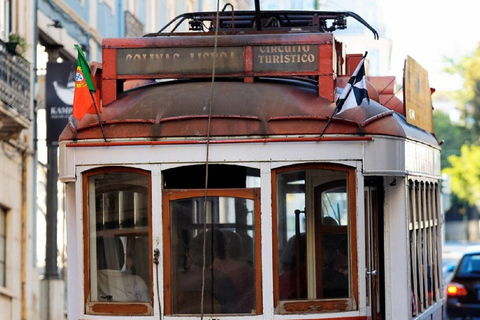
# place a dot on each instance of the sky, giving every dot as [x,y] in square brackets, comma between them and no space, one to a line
[426,30]
[429,31]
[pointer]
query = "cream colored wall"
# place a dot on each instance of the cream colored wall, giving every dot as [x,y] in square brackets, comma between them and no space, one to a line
[10,198]
[6,306]
[19,299]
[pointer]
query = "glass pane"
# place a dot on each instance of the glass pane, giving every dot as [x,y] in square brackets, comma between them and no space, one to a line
[228,243]
[334,266]
[292,226]
[334,207]
[470,264]
[119,238]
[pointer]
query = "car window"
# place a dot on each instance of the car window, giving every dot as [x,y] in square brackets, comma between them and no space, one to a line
[470,264]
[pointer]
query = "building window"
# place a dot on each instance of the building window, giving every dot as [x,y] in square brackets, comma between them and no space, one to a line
[314,219]
[118,237]
[3,246]
[425,253]
[5,13]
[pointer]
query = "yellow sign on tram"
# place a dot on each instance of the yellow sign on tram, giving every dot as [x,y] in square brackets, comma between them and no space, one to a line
[417,95]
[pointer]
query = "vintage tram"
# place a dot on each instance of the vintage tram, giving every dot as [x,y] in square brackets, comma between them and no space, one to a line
[208,189]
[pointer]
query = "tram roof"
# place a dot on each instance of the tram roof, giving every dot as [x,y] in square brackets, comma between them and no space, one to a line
[250,97]
[269,107]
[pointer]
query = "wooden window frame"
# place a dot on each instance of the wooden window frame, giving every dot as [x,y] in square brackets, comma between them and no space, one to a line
[246,193]
[319,305]
[114,308]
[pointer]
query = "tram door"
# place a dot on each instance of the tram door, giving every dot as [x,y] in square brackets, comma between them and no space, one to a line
[373,268]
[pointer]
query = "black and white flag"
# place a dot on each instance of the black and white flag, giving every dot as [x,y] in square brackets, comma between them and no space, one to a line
[355,90]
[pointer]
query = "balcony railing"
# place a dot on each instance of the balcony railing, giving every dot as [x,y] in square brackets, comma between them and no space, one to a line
[15,81]
[15,113]
[133,27]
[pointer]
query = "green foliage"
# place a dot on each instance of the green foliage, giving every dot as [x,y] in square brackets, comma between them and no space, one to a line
[453,135]
[22,42]
[468,67]
[463,163]
[465,174]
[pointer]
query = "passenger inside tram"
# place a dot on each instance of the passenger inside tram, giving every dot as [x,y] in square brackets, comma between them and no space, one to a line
[293,271]
[220,295]
[114,284]
[247,247]
[293,278]
[335,268]
[235,267]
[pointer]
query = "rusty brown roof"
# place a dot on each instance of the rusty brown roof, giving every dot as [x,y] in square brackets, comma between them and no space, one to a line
[265,108]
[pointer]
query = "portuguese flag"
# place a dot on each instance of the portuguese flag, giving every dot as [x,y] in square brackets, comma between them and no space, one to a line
[85,89]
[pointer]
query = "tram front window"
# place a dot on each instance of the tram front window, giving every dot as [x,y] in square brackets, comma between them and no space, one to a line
[212,250]
[312,220]
[118,239]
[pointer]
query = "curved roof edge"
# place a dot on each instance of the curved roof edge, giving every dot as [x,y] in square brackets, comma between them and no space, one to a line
[180,109]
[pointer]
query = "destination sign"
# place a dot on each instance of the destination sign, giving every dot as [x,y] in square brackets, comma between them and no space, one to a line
[272,58]
[285,58]
[179,60]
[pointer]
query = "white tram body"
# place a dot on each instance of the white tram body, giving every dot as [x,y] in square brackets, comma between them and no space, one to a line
[225,192]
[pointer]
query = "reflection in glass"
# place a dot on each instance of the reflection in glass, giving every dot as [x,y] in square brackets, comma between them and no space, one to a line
[119,233]
[334,207]
[229,251]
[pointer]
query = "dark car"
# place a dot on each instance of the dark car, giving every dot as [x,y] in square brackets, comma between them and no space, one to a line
[463,289]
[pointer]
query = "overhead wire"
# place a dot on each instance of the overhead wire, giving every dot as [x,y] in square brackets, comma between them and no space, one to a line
[207,158]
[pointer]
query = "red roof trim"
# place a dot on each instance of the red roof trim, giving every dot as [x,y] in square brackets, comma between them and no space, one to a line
[226,116]
[112,122]
[212,141]
[319,118]
[376,117]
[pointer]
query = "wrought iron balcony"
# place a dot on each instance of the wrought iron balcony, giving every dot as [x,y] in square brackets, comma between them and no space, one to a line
[15,113]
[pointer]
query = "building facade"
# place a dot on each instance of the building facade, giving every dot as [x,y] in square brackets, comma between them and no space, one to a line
[18,276]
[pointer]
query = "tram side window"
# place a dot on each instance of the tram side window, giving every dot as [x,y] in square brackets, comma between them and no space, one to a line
[312,219]
[425,237]
[118,237]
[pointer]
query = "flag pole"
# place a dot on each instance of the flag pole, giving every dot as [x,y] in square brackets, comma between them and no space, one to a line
[337,106]
[343,97]
[98,115]
[329,119]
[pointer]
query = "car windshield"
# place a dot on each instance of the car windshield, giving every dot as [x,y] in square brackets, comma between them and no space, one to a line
[470,264]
